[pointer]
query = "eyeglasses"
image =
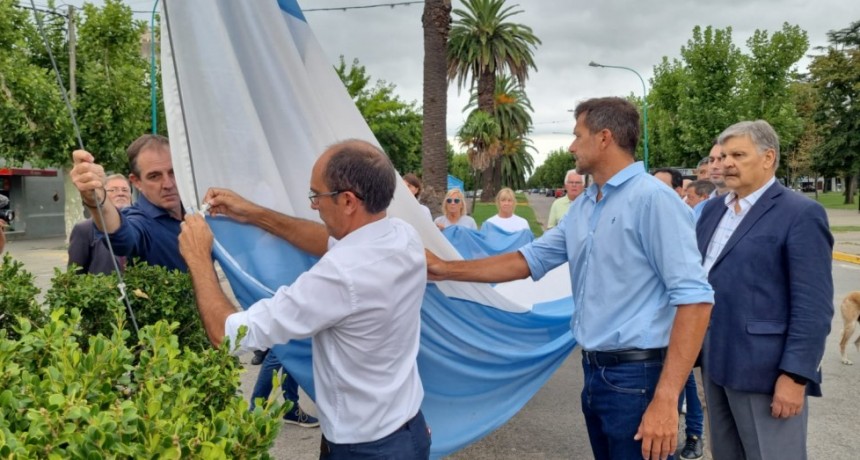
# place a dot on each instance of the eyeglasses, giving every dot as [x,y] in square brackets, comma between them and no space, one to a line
[314,197]
[452,200]
[118,189]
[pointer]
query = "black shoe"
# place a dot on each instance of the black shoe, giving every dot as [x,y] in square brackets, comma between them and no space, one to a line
[692,448]
[301,418]
[259,356]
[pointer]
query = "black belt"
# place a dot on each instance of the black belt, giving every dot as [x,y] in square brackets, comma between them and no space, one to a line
[611,358]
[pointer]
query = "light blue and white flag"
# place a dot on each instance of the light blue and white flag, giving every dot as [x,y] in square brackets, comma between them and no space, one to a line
[251,102]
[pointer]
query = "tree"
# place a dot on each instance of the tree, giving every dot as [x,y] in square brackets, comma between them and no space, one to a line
[436,21]
[483,45]
[396,124]
[481,136]
[835,75]
[551,173]
[511,110]
[767,77]
[35,121]
[713,85]
[460,168]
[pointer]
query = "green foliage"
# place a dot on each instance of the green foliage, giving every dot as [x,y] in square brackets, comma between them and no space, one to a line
[113,102]
[483,40]
[17,296]
[396,124]
[34,120]
[715,85]
[108,400]
[154,292]
[835,75]
[551,173]
[459,167]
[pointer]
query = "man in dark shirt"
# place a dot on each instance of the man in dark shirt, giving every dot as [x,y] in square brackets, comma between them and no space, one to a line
[148,229]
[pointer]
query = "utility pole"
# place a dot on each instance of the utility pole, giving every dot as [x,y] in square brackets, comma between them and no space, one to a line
[72,64]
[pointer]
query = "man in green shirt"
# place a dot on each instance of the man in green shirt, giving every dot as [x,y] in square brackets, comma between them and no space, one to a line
[574,184]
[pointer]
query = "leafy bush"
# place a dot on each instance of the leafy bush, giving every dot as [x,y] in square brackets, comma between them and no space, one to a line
[108,400]
[17,296]
[154,292]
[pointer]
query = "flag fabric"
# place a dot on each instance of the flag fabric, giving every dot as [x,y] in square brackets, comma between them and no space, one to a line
[251,102]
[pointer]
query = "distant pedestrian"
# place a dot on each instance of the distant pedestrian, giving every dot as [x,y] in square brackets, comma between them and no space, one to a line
[87,247]
[574,184]
[454,206]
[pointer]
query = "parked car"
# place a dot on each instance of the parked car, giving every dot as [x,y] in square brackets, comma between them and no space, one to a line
[559,192]
[550,192]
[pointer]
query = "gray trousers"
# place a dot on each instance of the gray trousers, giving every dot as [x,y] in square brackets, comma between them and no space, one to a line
[742,427]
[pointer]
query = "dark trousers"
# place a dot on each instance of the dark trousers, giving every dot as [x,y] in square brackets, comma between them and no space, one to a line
[614,398]
[411,441]
[263,387]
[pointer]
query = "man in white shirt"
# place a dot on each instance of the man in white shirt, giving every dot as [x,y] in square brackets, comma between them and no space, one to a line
[361,302]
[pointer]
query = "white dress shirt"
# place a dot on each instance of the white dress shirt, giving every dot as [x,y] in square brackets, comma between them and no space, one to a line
[361,303]
[730,221]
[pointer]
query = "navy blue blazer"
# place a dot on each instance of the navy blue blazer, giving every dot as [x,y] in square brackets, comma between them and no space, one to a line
[773,292]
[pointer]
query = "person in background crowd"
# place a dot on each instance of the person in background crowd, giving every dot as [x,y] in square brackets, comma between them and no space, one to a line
[87,248]
[574,184]
[454,205]
[703,170]
[506,202]
[413,183]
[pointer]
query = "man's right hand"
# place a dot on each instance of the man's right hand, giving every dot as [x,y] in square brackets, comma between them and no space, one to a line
[87,176]
[229,203]
[435,266]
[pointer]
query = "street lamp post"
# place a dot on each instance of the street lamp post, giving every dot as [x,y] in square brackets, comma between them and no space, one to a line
[644,103]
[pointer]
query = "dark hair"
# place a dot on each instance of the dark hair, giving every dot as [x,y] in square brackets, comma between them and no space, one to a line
[363,169]
[677,178]
[703,187]
[414,181]
[617,115]
[145,142]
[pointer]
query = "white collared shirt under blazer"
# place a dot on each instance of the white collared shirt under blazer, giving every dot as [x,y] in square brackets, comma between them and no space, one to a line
[361,303]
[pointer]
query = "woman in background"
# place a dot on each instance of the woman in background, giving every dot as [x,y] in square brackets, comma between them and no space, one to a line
[506,202]
[455,211]
[413,183]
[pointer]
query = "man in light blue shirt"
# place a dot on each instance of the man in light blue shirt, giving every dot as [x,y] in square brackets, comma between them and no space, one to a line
[641,303]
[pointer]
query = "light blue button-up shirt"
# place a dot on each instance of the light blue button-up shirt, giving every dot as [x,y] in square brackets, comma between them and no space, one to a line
[633,258]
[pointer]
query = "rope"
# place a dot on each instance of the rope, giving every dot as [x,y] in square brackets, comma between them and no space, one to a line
[121,284]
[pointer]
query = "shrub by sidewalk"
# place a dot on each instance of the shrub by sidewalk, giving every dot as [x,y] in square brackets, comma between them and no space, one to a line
[66,392]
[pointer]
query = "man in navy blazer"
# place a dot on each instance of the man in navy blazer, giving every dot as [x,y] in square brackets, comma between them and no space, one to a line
[768,254]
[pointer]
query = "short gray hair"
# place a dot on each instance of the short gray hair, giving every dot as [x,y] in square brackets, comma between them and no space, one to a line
[760,132]
[569,172]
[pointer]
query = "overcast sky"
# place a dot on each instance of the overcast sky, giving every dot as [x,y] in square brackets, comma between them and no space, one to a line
[388,41]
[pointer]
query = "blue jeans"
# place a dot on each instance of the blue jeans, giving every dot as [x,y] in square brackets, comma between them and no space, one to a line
[411,441]
[695,418]
[614,398]
[263,387]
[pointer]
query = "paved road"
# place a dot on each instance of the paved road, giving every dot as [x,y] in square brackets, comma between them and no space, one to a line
[550,426]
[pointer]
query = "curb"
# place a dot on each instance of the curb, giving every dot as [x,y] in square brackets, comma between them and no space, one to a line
[845,257]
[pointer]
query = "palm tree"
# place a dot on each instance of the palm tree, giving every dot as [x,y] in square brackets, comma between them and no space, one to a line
[511,113]
[481,137]
[434,160]
[483,45]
